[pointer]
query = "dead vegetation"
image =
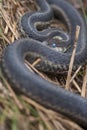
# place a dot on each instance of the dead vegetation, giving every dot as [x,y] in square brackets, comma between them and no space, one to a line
[20,112]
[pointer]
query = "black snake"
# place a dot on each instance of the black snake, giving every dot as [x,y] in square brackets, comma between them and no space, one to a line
[40,90]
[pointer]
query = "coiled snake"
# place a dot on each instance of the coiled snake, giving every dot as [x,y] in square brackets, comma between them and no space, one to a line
[40,90]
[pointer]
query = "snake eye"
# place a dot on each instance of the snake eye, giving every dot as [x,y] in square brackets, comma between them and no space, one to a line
[54,45]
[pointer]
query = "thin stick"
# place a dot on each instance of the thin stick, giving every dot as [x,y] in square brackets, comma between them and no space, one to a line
[72,57]
[36,62]
[84,86]
[75,74]
[77,86]
[8,23]
[18,103]
[33,69]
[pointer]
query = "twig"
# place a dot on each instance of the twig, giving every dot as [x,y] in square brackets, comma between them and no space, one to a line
[77,86]
[33,69]
[84,86]
[46,120]
[8,23]
[13,94]
[36,62]
[32,102]
[75,74]
[72,57]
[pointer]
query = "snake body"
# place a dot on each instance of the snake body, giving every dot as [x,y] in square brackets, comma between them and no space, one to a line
[30,21]
[32,85]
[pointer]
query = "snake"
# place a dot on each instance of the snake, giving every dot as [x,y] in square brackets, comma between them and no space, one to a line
[34,86]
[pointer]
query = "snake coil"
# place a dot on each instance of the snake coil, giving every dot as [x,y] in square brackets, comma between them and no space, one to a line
[32,85]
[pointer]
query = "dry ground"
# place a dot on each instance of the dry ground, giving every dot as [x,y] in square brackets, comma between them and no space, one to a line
[19,112]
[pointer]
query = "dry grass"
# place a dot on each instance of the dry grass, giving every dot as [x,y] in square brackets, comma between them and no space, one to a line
[20,112]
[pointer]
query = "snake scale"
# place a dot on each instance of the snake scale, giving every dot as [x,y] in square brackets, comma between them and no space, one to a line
[32,85]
